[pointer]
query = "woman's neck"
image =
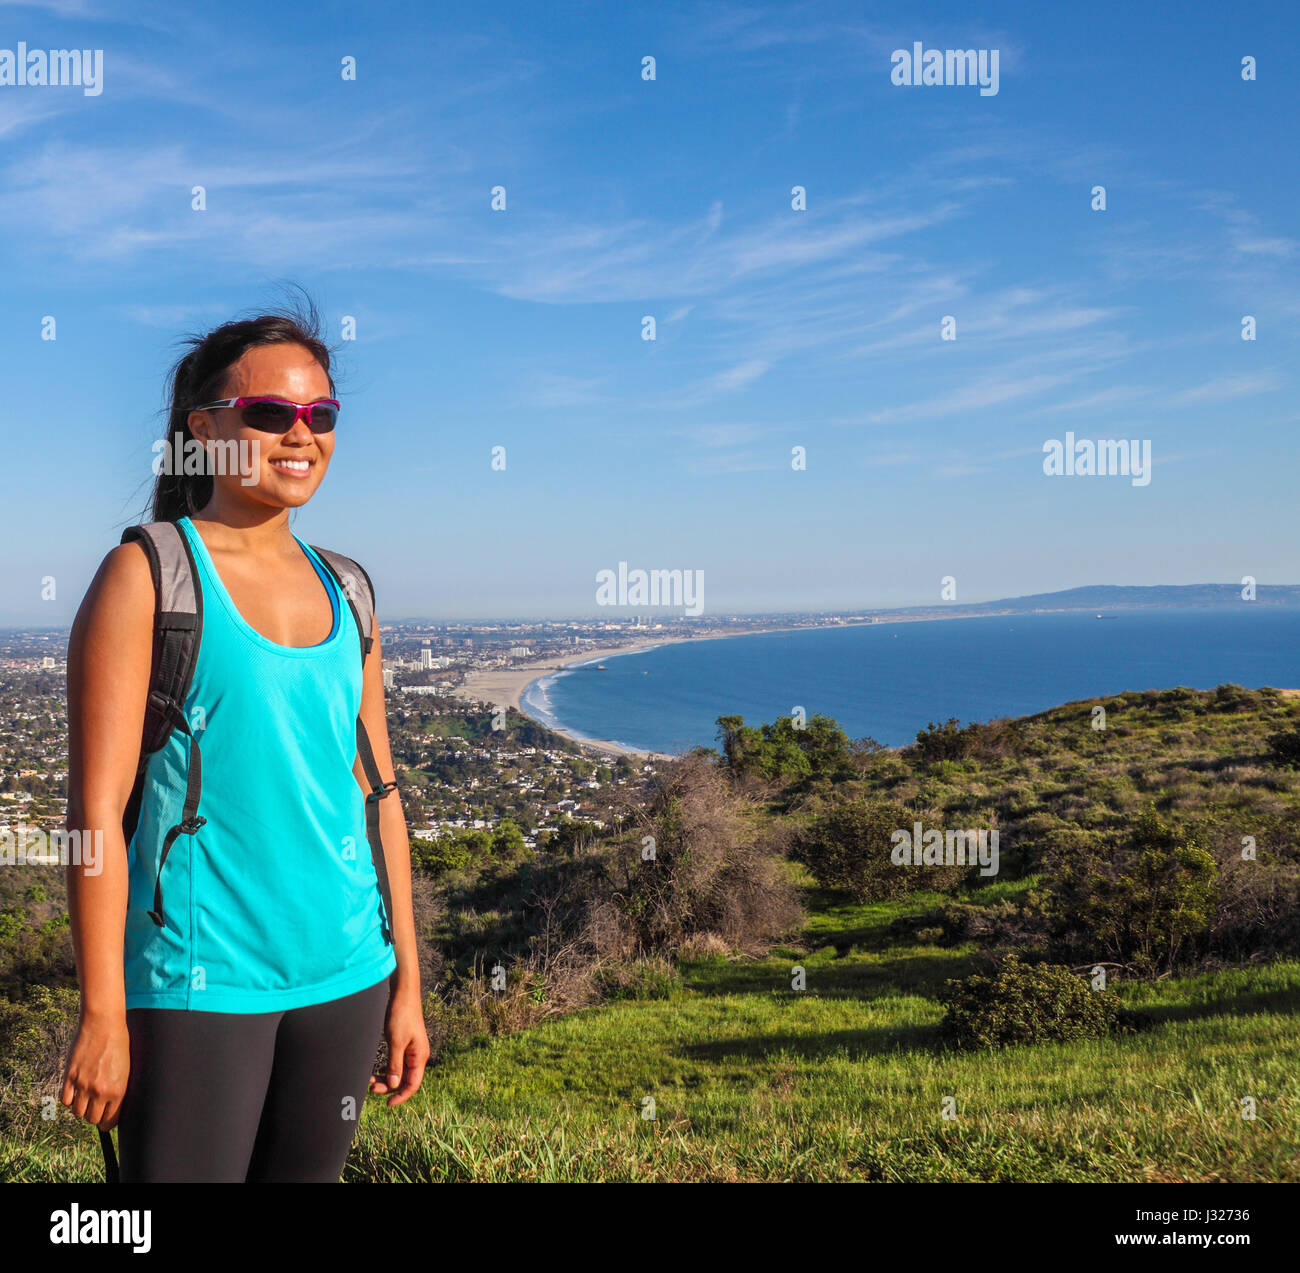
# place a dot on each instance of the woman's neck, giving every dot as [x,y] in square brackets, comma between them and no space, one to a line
[256,530]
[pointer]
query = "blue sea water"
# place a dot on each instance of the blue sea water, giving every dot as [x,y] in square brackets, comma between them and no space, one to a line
[889,680]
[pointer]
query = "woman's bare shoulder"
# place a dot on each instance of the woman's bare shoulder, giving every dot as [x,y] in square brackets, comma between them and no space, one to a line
[121,595]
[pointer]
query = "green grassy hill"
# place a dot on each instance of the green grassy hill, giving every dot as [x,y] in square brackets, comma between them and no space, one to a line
[720,1015]
[846,1080]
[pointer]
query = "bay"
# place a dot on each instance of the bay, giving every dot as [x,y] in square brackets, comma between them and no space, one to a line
[889,680]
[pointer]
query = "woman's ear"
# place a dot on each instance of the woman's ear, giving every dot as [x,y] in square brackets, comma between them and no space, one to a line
[200,425]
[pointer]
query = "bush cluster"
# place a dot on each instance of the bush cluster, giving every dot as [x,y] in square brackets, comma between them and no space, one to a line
[1027,1003]
[849,846]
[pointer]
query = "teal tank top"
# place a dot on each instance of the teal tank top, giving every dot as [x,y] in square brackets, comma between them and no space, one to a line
[273,903]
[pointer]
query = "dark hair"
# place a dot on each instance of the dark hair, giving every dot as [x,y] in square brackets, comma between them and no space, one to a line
[198,377]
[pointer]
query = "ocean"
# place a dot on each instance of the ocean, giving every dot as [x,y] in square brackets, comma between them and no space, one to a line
[889,680]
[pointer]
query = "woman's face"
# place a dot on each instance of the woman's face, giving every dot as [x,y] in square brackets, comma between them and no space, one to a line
[275,475]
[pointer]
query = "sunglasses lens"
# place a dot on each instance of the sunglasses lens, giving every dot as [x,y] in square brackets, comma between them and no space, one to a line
[273,417]
[323,417]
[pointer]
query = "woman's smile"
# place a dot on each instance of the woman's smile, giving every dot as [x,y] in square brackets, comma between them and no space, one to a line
[292,468]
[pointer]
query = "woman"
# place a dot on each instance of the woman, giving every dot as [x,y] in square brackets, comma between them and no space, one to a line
[232,1036]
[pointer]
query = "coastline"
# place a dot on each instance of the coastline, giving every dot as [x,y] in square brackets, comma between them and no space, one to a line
[501,686]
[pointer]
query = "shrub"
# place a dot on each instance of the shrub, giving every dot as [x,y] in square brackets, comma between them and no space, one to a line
[35,1034]
[711,871]
[1027,1003]
[1284,747]
[1152,896]
[1232,698]
[998,924]
[945,742]
[786,753]
[849,846]
[34,951]
[438,857]
[508,843]
[1258,909]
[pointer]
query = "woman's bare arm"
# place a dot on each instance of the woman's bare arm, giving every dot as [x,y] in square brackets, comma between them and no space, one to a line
[109,657]
[408,1043]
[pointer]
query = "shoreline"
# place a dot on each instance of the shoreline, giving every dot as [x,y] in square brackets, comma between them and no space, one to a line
[504,686]
[501,686]
[507,686]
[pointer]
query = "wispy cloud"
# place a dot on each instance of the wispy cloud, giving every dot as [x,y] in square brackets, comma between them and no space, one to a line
[722,383]
[1110,397]
[171,317]
[1226,388]
[57,8]
[1267,246]
[18,113]
[986,393]
[732,433]
[549,389]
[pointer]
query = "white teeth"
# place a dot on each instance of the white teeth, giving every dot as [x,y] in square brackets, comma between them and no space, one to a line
[298,466]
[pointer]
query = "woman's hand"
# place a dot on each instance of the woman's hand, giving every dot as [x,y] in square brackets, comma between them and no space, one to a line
[408,1049]
[99,1062]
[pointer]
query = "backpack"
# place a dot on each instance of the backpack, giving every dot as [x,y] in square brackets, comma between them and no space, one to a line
[177,631]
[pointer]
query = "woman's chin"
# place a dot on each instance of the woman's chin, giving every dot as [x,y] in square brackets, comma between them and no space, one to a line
[289,492]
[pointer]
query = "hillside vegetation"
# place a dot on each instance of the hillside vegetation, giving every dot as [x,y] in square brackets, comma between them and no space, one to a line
[733,980]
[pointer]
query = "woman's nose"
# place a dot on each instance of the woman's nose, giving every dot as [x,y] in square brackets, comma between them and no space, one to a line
[302,416]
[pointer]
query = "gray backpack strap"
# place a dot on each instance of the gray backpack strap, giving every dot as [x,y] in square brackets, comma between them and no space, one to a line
[177,631]
[177,625]
[357,588]
[177,595]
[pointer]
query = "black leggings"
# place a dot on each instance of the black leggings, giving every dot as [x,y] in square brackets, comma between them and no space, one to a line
[257,1096]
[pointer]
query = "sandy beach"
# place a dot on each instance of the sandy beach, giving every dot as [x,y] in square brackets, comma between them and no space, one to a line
[501,686]
[505,685]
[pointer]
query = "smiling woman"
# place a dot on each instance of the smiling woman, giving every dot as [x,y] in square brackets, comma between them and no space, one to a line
[237,966]
[253,383]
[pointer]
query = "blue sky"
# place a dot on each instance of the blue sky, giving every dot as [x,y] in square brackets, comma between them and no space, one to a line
[672,198]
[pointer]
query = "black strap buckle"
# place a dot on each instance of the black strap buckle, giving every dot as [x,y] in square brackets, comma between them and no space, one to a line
[378,793]
[190,825]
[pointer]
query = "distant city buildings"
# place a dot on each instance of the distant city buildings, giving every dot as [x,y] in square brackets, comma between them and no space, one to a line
[450,782]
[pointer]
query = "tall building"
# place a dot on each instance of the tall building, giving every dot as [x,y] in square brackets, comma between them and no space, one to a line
[426,658]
